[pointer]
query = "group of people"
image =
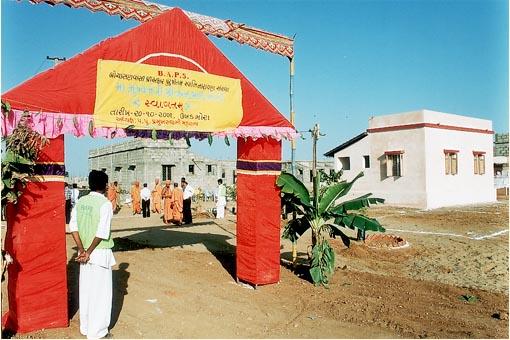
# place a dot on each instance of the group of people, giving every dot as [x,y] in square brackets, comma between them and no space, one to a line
[90,226]
[173,201]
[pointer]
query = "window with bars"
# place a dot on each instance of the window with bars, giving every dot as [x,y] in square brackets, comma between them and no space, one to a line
[479,162]
[166,172]
[191,169]
[211,169]
[394,163]
[451,161]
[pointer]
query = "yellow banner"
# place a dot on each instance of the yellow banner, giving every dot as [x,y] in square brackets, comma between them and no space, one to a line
[165,98]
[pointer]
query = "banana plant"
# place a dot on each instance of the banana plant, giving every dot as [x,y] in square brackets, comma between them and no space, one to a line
[325,217]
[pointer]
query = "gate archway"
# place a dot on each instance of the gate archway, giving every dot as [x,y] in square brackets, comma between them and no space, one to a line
[62,101]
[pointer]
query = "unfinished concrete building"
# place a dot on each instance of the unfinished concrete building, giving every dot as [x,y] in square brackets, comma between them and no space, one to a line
[145,159]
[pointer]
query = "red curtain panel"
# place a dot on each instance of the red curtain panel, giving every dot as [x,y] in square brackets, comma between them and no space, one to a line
[258,207]
[37,280]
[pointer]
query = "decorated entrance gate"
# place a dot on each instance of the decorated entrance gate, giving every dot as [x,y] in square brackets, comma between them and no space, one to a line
[135,85]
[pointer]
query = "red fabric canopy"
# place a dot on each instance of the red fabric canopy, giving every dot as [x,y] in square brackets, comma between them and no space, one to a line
[70,87]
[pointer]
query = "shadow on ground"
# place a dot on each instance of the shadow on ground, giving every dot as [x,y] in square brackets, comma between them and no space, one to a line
[302,266]
[176,236]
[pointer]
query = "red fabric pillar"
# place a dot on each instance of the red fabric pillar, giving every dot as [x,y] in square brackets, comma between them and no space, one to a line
[258,211]
[37,282]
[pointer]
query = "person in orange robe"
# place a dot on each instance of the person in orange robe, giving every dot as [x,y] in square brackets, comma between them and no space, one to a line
[177,201]
[166,193]
[136,198]
[112,196]
[156,197]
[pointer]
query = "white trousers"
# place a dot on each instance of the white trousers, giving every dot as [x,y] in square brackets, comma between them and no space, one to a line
[220,207]
[95,300]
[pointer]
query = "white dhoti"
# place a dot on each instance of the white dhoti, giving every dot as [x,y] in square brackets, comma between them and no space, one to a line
[220,207]
[96,294]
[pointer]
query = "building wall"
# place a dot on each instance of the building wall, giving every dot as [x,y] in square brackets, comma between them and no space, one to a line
[143,160]
[465,187]
[408,189]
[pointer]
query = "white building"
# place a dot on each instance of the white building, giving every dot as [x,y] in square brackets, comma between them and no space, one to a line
[422,159]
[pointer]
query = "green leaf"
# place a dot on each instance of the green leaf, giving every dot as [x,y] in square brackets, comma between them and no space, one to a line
[227,141]
[11,157]
[335,191]
[8,183]
[316,274]
[295,228]
[91,128]
[154,134]
[361,222]
[289,184]
[356,204]
[335,231]
[130,127]
[468,298]
[210,139]
[6,108]
[187,140]
[323,263]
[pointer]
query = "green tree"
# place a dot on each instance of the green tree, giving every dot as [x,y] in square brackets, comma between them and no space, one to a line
[325,217]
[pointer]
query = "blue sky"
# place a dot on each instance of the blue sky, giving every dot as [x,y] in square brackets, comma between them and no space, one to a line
[354,59]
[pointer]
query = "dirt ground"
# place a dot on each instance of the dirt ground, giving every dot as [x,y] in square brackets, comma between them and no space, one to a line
[178,282]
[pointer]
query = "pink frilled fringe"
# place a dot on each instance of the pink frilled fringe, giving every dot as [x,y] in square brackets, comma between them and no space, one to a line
[52,125]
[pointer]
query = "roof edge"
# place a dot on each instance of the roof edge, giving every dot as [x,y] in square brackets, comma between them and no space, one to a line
[351,141]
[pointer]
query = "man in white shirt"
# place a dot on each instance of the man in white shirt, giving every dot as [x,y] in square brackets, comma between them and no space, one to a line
[186,203]
[75,193]
[221,200]
[90,227]
[145,193]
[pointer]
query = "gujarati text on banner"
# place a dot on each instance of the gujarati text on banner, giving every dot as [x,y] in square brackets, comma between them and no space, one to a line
[165,98]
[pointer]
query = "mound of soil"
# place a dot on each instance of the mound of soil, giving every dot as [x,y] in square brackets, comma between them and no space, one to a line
[385,241]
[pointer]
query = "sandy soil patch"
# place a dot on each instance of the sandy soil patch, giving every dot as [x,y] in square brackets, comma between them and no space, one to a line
[178,282]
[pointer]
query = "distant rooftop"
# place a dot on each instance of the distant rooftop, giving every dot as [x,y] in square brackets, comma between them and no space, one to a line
[351,141]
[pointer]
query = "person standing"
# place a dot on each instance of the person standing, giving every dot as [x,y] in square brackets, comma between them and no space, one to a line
[75,194]
[166,193]
[186,204]
[135,197]
[90,227]
[146,201]
[221,200]
[117,196]
[112,196]
[67,193]
[156,197]
[177,205]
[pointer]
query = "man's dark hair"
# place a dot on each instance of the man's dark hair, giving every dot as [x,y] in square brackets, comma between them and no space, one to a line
[145,185]
[183,179]
[220,181]
[115,183]
[75,185]
[176,185]
[97,180]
